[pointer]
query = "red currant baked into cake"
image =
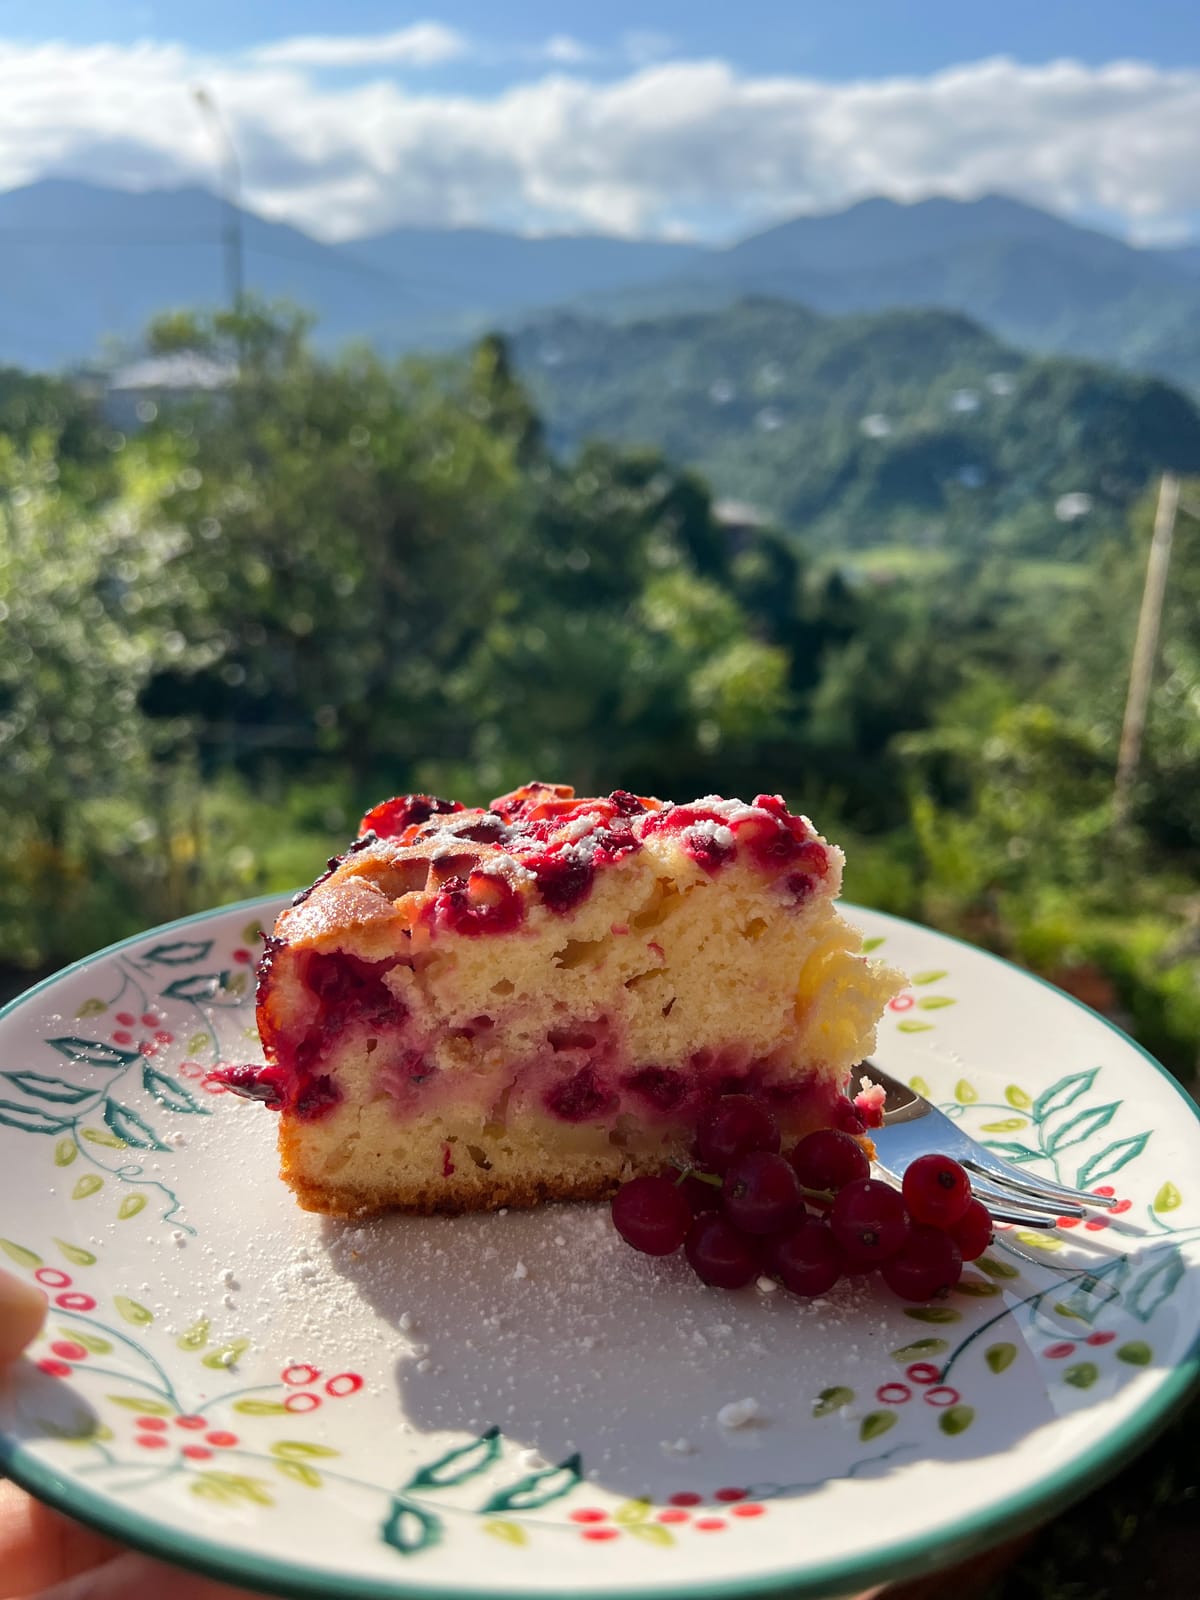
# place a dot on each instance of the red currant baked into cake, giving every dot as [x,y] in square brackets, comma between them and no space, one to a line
[538,1001]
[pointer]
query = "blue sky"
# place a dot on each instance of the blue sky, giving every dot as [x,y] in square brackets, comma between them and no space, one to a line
[832,38]
[672,119]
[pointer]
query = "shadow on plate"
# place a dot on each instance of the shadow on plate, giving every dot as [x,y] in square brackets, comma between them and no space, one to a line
[544,1325]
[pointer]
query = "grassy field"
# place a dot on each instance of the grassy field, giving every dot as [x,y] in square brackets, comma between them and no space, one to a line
[907,561]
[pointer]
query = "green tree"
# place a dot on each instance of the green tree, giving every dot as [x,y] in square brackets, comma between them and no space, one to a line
[86,596]
[608,655]
[348,523]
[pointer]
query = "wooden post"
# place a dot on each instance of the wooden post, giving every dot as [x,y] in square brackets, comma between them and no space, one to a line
[1145,646]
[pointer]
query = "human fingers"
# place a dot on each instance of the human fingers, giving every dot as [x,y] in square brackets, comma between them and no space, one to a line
[22,1312]
[137,1577]
[38,1547]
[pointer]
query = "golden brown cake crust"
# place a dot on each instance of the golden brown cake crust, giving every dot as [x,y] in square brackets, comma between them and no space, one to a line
[432,1199]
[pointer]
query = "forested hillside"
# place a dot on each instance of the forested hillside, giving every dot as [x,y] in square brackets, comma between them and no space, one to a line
[906,426]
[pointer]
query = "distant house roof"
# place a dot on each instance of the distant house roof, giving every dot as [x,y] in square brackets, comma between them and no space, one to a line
[1070,507]
[182,369]
[740,514]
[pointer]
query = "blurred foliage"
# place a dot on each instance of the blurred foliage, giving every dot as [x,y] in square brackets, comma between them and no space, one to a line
[229,632]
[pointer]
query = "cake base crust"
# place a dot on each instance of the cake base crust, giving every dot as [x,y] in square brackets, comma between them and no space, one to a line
[450,1200]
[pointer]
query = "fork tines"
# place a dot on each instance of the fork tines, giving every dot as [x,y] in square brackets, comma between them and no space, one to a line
[913,1127]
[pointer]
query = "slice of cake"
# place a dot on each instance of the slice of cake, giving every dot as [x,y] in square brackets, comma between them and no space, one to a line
[479,1008]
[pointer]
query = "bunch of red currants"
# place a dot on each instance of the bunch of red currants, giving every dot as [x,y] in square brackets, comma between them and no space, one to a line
[805,1219]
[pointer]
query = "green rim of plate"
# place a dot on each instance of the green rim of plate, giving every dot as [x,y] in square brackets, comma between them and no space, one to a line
[901,1559]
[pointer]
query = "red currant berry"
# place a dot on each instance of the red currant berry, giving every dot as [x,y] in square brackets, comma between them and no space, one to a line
[736,1125]
[869,1222]
[937,1191]
[930,1263]
[719,1254]
[701,1195]
[762,1193]
[972,1233]
[652,1214]
[829,1159]
[808,1260]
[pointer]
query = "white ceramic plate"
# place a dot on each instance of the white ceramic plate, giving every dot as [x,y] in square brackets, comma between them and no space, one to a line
[519,1404]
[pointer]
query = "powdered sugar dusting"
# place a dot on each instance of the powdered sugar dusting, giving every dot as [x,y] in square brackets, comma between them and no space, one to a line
[579,827]
[444,841]
[506,866]
[740,1414]
[677,1447]
[708,828]
[732,810]
[547,1324]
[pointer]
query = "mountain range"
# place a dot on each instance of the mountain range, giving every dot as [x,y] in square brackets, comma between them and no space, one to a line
[1029,276]
[81,264]
[917,427]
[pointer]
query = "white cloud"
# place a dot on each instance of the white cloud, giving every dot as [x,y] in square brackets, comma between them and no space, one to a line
[667,148]
[643,45]
[424,44]
[564,49]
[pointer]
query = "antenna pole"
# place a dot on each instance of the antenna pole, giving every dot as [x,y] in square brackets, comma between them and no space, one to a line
[231,195]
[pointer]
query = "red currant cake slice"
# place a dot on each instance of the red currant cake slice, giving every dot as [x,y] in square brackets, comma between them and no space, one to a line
[477,1008]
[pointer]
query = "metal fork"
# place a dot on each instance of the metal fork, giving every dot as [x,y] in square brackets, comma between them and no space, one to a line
[912,1128]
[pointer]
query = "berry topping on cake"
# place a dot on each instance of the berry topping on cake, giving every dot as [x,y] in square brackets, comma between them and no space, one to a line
[393,818]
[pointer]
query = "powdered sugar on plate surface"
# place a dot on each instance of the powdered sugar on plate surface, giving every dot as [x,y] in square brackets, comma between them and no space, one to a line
[542,1323]
[545,1324]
